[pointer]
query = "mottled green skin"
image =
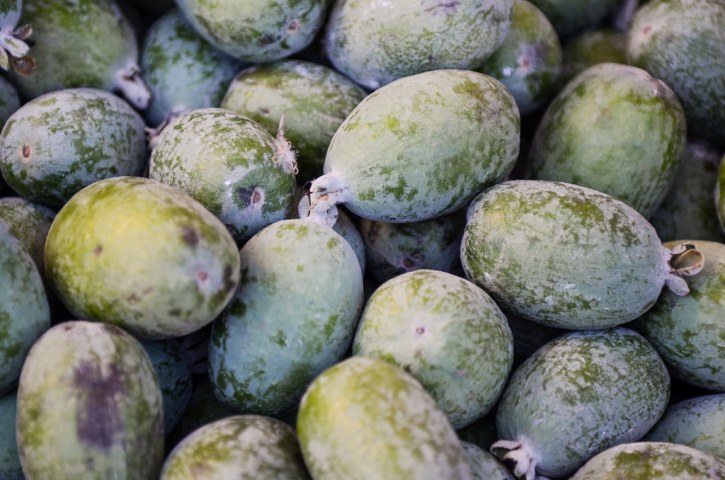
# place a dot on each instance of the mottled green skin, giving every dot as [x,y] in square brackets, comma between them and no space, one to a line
[529,60]
[89,406]
[583,393]
[395,248]
[256,30]
[173,371]
[652,461]
[447,333]
[293,316]
[682,42]
[572,16]
[24,310]
[182,70]
[720,193]
[229,164]
[563,255]
[10,468]
[29,222]
[242,447]
[364,418]
[375,43]
[688,210]
[424,145]
[80,43]
[616,129]
[590,48]
[9,100]
[484,465]
[698,422]
[62,141]
[314,100]
[689,332]
[151,259]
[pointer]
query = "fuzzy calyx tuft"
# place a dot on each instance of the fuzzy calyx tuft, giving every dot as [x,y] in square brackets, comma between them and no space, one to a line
[283,150]
[518,456]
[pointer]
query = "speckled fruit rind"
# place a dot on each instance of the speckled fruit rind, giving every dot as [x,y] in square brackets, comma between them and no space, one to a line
[720,193]
[590,48]
[29,222]
[688,331]
[599,122]
[10,468]
[682,42]
[229,164]
[576,396]
[89,406]
[688,210]
[243,447]
[293,316]
[24,310]
[572,16]
[151,259]
[314,100]
[395,248]
[421,147]
[375,43]
[256,30]
[173,371]
[528,62]
[9,100]
[563,255]
[652,461]
[182,70]
[62,141]
[365,418]
[84,43]
[447,333]
[485,466]
[698,422]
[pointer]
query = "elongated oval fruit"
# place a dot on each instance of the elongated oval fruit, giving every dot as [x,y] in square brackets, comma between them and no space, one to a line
[565,255]
[576,396]
[243,447]
[420,147]
[10,468]
[364,418]
[89,406]
[151,259]
[648,460]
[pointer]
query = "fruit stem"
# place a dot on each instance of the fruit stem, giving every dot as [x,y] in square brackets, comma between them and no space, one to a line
[685,261]
[132,86]
[325,193]
[518,455]
[152,134]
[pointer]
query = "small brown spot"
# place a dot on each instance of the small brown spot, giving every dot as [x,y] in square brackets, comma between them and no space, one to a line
[190,236]
[256,196]
[175,312]
[202,275]
[250,196]
[26,151]
[420,330]
[646,30]
[264,111]
[293,26]
[98,250]
[133,298]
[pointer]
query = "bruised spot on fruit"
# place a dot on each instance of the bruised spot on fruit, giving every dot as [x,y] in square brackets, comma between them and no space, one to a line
[26,151]
[646,30]
[419,331]
[266,39]
[175,312]
[98,420]
[249,197]
[202,276]
[98,250]
[190,236]
[293,26]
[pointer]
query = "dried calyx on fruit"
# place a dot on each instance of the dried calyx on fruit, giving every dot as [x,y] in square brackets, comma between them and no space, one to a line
[13,46]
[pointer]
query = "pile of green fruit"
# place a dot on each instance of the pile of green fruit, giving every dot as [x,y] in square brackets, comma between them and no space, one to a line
[362,239]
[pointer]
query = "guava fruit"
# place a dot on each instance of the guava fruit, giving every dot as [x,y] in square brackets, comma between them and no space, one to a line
[447,333]
[9,100]
[243,447]
[29,222]
[529,60]
[83,43]
[484,466]
[89,406]
[60,142]
[10,468]
[365,418]
[311,100]
[151,259]
[13,46]
[682,42]
[294,315]
[375,43]
[568,256]
[573,16]
[420,147]
[616,129]
[576,396]
[591,48]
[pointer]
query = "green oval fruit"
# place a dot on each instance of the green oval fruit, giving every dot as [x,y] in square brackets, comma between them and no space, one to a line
[652,460]
[375,43]
[89,406]
[10,468]
[62,141]
[591,48]
[678,41]
[243,447]
[572,16]
[577,396]
[364,418]
[447,333]
[294,315]
[151,259]
[310,100]
[564,255]
[484,465]
[385,161]
[29,222]
[601,120]
[688,332]
[229,164]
